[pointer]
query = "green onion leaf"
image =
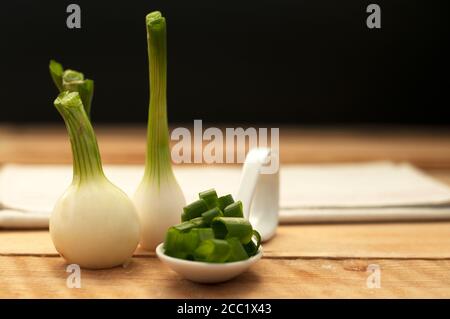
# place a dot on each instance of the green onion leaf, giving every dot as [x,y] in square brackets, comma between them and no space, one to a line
[237,250]
[213,251]
[185,241]
[251,248]
[227,227]
[209,215]
[56,72]
[191,224]
[234,210]
[73,81]
[194,209]
[85,152]
[184,226]
[210,197]
[198,222]
[204,233]
[179,254]
[86,90]
[224,201]
[172,239]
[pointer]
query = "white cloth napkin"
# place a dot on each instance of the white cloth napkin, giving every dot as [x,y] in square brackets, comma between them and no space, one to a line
[380,191]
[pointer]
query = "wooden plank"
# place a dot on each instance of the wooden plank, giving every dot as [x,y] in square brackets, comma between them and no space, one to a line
[45,277]
[382,240]
[425,148]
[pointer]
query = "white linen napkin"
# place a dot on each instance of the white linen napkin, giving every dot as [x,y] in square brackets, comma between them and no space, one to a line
[379,191]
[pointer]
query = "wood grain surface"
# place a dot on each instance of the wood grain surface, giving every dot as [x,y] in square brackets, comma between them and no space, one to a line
[146,277]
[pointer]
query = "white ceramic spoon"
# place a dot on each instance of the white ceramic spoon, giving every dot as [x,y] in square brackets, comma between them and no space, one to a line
[203,272]
[259,194]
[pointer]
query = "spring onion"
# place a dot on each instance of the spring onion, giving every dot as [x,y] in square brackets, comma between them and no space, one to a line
[72,81]
[94,224]
[159,198]
[206,235]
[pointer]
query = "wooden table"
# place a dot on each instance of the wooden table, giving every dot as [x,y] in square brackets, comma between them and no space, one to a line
[301,261]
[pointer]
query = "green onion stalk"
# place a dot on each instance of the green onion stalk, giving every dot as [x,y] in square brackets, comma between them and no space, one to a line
[94,224]
[159,198]
[72,81]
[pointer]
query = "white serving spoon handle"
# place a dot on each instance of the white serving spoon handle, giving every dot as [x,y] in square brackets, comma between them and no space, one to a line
[259,193]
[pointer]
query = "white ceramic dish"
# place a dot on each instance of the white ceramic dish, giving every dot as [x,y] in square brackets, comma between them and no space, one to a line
[206,272]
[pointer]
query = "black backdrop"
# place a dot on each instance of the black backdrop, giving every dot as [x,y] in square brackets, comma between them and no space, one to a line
[290,61]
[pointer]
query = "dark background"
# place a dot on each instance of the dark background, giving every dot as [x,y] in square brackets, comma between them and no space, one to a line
[288,61]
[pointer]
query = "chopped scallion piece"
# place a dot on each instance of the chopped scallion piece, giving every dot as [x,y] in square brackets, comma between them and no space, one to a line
[213,251]
[234,210]
[209,215]
[224,201]
[194,209]
[210,197]
[227,227]
[251,248]
[184,226]
[204,233]
[208,234]
[172,236]
[198,222]
[237,250]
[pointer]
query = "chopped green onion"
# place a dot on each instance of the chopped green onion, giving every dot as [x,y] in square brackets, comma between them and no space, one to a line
[191,224]
[178,241]
[237,250]
[209,234]
[234,210]
[224,201]
[189,241]
[194,209]
[204,233]
[213,251]
[199,222]
[184,226]
[172,239]
[227,227]
[179,254]
[251,248]
[209,215]
[210,197]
